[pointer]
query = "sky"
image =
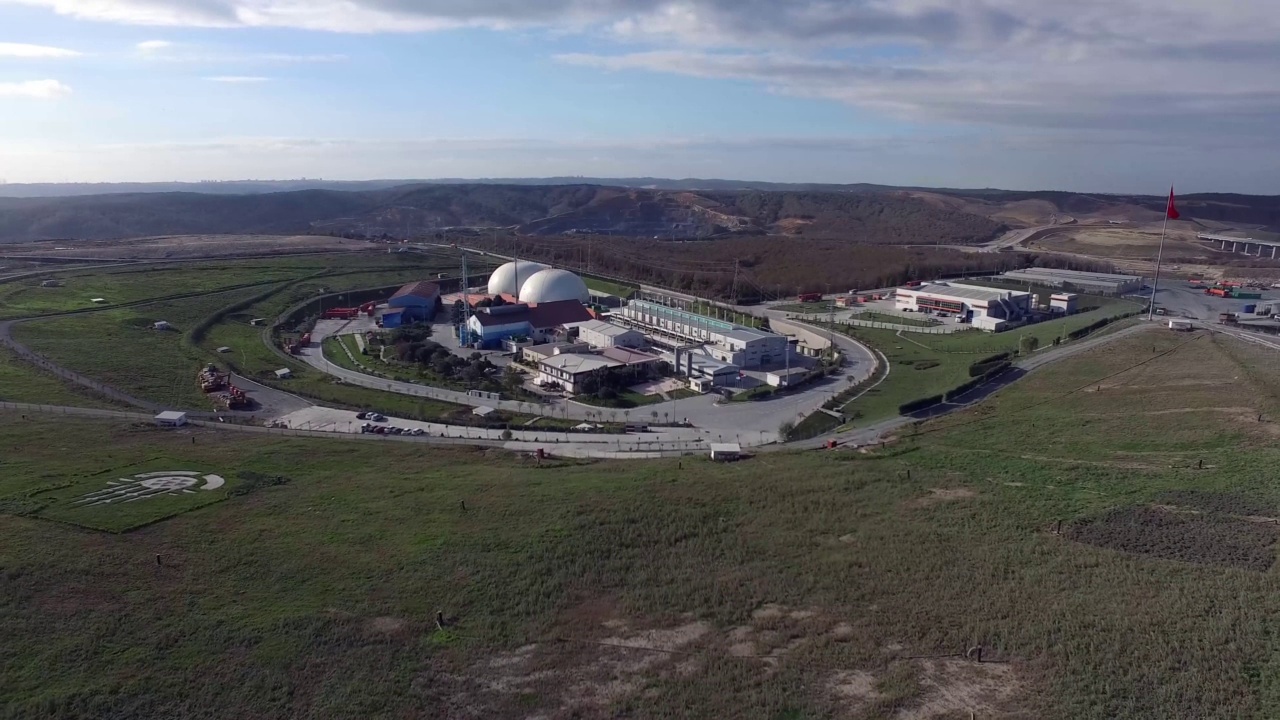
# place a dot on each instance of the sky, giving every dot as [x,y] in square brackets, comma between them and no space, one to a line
[1087,95]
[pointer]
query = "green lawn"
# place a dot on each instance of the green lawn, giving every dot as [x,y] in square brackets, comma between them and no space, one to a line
[625,400]
[914,372]
[791,585]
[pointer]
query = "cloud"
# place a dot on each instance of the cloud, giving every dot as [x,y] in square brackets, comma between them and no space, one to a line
[41,52]
[238,79]
[34,89]
[152,46]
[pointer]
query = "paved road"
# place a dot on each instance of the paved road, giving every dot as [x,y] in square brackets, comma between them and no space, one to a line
[1014,238]
[751,423]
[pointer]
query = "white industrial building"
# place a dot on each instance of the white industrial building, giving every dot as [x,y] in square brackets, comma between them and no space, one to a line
[1086,282]
[600,334]
[1064,303]
[984,308]
[727,342]
[569,369]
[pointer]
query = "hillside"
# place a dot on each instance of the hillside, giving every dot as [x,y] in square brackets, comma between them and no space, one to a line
[870,217]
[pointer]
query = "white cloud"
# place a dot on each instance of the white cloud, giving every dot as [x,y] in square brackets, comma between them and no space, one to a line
[153,46]
[34,89]
[23,50]
[237,79]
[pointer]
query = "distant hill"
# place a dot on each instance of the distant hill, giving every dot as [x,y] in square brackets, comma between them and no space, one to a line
[412,211]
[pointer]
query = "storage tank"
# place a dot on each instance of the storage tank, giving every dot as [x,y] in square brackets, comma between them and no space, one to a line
[509,278]
[552,286]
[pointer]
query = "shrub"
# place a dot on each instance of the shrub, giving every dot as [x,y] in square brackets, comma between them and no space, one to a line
[918,405]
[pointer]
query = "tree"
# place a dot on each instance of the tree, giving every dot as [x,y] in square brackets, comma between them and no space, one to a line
[785,429]
[1028,344]
[497,301]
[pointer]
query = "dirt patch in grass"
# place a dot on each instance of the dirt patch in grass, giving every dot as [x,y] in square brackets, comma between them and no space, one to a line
[928,689]
[942,495]
[1202,538]
[384,625]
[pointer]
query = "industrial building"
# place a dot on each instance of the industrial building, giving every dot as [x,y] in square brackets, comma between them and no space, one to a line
[488,327]
[724,341]
[1084,282]
[416,302]
[1064,303]
[984,308]
[569,369]
[601,334]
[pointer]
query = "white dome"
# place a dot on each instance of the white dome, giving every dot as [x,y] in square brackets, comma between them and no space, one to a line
[504,280]
[554,285]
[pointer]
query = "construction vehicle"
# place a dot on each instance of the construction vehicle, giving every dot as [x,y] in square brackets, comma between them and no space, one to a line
[1218,292]
[1227,318]
[211,380]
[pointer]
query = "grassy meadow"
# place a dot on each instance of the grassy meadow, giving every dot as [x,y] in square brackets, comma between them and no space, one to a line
[1072,526]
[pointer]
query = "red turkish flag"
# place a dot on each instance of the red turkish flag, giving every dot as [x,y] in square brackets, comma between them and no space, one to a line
[1171,212]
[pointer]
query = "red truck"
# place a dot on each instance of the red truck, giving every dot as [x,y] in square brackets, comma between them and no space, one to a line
[809,297]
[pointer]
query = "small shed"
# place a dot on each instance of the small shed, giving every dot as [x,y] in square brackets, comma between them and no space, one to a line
[786,378]
[284,374]
[1067,303]
[483,411]
[726,452]
[171,418]
[162,325]
[98,301]
[1181,325]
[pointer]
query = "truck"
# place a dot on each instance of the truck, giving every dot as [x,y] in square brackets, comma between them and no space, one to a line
[809,297]
[1227,318]
[1218,292]
[340,313]
[1246,294]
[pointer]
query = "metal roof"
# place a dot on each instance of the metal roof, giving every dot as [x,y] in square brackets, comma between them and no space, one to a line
[575,363]
[960,293]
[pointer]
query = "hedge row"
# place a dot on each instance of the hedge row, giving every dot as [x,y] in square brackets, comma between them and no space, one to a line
[993,371]
[985,365]
[918,405]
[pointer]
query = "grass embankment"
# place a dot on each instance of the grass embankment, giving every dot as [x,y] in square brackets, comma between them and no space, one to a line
[790,585]
[610,287]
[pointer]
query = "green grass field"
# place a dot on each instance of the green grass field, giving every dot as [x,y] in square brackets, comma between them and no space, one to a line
[915,372]
[823,584]
[120,348]
[873,316]
[23,382]
[625,400]
[161,366]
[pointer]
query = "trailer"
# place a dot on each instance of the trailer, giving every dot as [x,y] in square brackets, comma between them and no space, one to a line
[1181,325]
[340,314]
[1239,294]
[1218,292]
[809,297]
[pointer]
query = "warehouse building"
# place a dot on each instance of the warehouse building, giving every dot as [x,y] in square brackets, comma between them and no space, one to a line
[601,334]
[725,341]
[1083,282]
[989,309]
[1064,303]
[418,302]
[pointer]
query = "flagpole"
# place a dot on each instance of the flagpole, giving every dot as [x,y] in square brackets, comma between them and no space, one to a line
[1155,283]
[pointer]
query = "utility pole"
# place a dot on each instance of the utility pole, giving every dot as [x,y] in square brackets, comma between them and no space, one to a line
[735,282]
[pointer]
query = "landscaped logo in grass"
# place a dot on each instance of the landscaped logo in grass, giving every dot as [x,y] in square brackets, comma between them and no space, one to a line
[128,498]
[148,485]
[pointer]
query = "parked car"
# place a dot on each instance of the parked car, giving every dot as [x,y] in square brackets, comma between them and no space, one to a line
[362,416]
[377,417]
[417,432]
[366,428]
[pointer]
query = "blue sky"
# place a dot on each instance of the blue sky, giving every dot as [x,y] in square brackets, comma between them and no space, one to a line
[1100,95]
